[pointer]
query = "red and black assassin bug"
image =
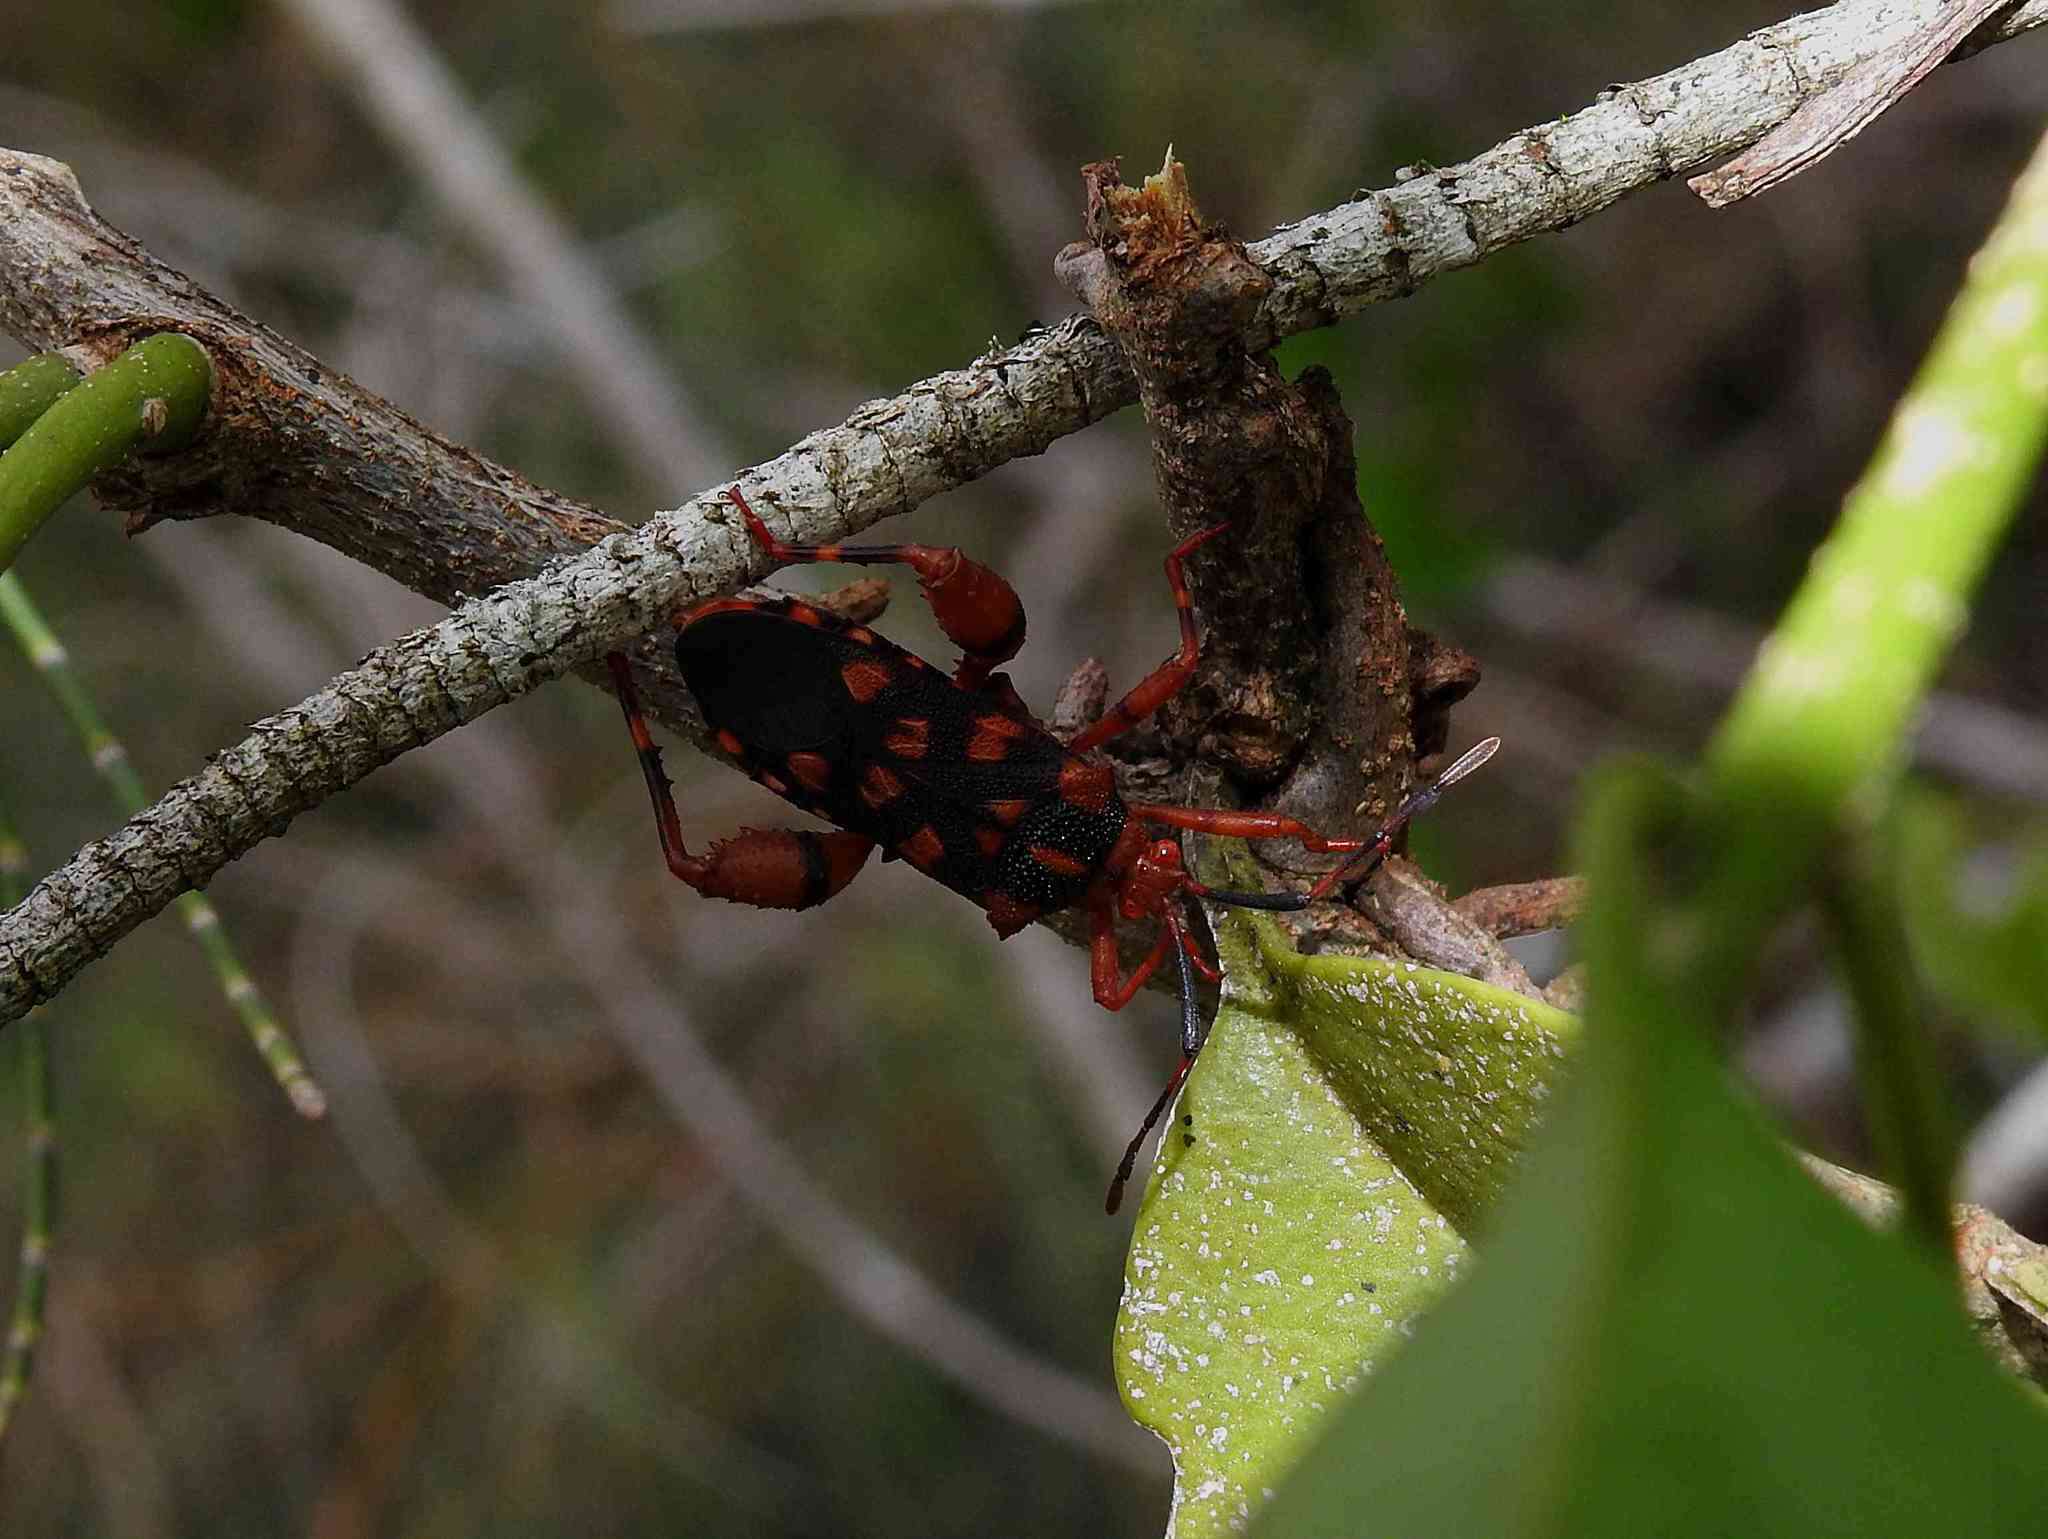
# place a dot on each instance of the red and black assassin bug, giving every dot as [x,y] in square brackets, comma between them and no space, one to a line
[955,775]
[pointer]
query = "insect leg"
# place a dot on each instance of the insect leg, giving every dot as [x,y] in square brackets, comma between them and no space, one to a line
[1171,676]
[765,867]
[1372,851]
[977,608]
[1103,962]
[1191,1037]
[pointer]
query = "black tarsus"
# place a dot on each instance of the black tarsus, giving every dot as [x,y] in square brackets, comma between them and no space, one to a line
[1192,1035]
[1277,902]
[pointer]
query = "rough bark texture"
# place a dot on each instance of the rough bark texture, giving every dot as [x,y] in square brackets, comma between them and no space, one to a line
[1305,696]
[296,443]
[289,439]
[1524,908]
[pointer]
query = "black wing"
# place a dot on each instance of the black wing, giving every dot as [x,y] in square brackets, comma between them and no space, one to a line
[846,724]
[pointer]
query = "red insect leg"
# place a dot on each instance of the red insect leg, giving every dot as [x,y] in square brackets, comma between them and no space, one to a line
[1203,965]
[1244,825]
[1374,850]
[1171,676]
[977,609]
[765,867]
[1104,963]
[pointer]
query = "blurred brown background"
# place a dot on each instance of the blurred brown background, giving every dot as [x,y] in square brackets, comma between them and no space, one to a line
[505,1288]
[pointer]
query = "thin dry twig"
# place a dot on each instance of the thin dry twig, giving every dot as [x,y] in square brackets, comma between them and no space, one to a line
[1839,114]
[1996,1264]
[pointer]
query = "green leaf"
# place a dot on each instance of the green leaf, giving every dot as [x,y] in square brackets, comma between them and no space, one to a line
[1280,1253]
[1672,1330]
[1445,1073]
[1278,1256]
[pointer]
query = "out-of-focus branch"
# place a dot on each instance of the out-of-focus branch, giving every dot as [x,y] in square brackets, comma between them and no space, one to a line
[2005,1164]
[654,16]
[295,441]
[410,95]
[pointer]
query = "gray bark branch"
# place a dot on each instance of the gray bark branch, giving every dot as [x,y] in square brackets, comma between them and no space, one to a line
[295,442]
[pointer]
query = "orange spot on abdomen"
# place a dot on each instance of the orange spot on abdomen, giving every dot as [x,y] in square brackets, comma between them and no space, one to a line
[1006,914]
[864,678]
[1091,786]
[880,786]
[923,848]
[909,738]
[1059,862]
[992,737]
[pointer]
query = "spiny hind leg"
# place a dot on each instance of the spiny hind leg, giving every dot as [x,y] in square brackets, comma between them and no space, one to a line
[765,867]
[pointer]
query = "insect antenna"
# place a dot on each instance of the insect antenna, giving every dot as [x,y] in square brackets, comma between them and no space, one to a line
[1376,848]
[1191,1038]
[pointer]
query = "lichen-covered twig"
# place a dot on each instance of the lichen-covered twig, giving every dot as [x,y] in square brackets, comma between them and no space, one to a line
[69,280]
[1524,908]
[1830,120]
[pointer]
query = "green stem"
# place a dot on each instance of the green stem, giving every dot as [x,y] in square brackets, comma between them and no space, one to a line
[18,612]
[32,1282]
[1820,723]
[155,394]
[31,388]
[1813,744]
[1912,1122]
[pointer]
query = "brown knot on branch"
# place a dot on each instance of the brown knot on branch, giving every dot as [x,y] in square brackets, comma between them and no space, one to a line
[1315,696]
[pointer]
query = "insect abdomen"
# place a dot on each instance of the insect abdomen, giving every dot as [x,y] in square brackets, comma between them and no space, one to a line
[847,725]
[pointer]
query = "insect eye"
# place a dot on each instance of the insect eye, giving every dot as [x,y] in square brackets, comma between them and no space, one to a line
[1166,852]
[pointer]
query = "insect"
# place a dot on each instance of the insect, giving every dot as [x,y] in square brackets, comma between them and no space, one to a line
[953,773]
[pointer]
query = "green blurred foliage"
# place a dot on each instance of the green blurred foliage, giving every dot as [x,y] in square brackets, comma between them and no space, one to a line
[1674,1330]
[1981,945]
